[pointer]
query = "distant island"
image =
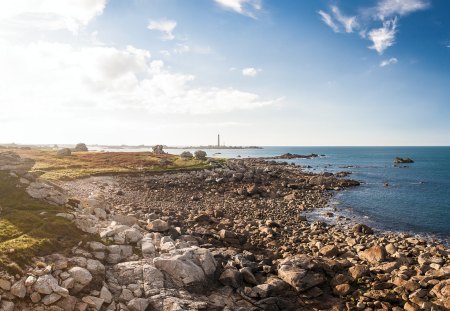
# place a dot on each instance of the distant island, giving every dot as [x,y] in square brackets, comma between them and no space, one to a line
[214,147]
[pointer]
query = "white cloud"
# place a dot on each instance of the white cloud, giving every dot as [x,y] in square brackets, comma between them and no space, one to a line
[244,7]
[386,11]
[326,18]
[339,20]
[165,26]
[104,79]
[386,8]
[387,62]
[383,37]
[49,14]
[349,22]
[250,72]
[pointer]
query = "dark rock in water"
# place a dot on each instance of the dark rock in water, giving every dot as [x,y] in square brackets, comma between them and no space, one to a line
[399,160]
[362,229]
[65,152]
[80,147]
[342,174]
[294,156]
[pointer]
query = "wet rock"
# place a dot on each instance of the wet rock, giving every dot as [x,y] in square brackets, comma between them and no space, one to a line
[362,229]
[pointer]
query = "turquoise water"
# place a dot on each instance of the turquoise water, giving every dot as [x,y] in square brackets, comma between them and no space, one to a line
[416,200]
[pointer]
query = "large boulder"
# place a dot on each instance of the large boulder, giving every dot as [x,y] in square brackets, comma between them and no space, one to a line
[81,147]
[44,190]
[12,161]
[373,255]
[301,272]
[158,225]
[191,268]
[137,272]
[200,155]
[158,149]
[65,152]
[399,160]
[186,155]
[442,292]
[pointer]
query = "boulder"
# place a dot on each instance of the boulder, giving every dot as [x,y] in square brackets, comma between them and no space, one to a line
[231,277]
[200,155]
[301,272]
[80,275]
[186,155]
[362,229]
[373,255]
[189,267]
[6,305]
[138,304]
[329,250]
[18,289]
[158,149]
[45,284]
[81,147]
[399,160]
[158,225]
[45,191]
[65,152]
[93,302]
[358,271]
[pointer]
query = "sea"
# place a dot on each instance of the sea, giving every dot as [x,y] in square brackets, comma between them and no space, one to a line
[412,198]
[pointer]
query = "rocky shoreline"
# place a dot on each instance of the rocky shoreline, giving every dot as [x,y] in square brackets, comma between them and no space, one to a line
[227,238]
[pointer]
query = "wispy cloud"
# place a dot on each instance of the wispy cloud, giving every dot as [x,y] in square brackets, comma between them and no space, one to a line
[250,72]
[326,18]
[245,7]
[390,61]
[387,8]
[349,22]
[385,11]
[383,37]
[338,21]
[165,26]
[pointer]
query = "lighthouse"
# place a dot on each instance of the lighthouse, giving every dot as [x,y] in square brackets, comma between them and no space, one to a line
[218,140]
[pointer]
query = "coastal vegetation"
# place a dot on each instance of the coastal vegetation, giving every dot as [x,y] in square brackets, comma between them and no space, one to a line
[49,165]
[30,227]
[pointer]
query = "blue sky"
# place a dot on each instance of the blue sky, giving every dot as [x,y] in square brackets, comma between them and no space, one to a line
[260,72]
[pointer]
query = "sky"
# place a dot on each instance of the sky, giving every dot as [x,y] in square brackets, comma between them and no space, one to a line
[259,72]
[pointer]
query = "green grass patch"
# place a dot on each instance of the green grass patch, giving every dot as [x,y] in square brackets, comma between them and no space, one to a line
[30,227]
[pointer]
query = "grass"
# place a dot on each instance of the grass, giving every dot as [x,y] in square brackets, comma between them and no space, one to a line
[84,164]
[30,227]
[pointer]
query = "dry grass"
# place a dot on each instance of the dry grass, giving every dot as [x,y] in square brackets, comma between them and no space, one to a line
[83,164]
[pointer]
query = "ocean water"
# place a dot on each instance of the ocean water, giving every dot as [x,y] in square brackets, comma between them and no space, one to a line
[417,199]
